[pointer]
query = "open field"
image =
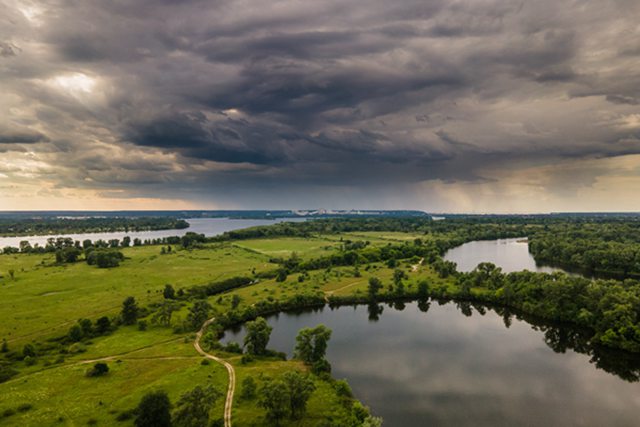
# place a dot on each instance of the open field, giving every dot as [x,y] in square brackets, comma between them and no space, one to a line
[43,300]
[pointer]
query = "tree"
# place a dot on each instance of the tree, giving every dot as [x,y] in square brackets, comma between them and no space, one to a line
[75,333]
[154,410]
[300,388]
[235,301]
[5,346]
[130,311]
[398,276]
[311,347]
[374,287]
[248,389]
[103,325]
[282,275]
[275,399]
[198,314]
[67,255]
[98,370]
[257,338]
[194,406]
[169,292]
[164,313]
[423,289]
[87,327]
[126,241]
[28,350]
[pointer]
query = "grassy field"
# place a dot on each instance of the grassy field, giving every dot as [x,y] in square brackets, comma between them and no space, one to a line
[43,300]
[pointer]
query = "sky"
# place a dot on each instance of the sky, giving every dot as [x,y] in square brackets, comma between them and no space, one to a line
[440,105]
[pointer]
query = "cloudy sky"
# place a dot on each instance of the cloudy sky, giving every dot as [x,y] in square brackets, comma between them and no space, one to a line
[439,105]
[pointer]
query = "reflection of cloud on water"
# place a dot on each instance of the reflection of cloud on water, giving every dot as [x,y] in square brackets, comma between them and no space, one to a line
[477,372]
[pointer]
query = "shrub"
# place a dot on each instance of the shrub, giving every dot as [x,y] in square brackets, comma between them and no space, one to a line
[25,407]
[98,370]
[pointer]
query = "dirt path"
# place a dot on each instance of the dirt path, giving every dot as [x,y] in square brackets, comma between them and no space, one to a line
[415,267]
[329,293]
[232,373]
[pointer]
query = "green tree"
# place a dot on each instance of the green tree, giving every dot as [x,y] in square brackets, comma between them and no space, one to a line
[282,275]
[198,314]
[235,301]
[248,389]
[374,287]
[257,338]
[194,406]
[311,347]
[154,410]
[103,325]
[163,314]
[98,370]
[87,327]
[169,292]
[398,277]
[300,387]
[75,333]
[275,399]
[423,289]
[5,346]
[28,350]
[130,311]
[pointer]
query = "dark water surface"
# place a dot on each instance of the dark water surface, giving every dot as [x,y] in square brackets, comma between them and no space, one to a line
[448,368]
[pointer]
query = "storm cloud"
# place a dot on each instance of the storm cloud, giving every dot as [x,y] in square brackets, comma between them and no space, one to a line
[435,104]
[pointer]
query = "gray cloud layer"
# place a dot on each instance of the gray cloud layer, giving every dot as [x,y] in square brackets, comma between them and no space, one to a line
[287,102]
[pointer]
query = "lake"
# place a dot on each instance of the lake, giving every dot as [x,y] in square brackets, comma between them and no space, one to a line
[509,254]
[452,366]
[206,226]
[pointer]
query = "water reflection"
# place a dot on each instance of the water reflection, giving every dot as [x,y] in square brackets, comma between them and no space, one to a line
[509,254]
[458,363]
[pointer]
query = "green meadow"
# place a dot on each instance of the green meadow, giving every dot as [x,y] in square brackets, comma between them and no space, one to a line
[41,300]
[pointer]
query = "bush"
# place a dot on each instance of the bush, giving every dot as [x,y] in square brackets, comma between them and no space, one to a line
[8,413]
[6,373]
[98,370]
[25,407]
[104,258]
[126,415]
[233,347]
[77,348]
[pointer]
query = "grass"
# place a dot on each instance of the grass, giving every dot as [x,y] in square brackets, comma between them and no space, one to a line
[283,247]
[44,300]
[68,395]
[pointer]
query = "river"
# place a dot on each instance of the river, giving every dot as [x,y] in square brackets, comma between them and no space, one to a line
[446,368]
[206,226]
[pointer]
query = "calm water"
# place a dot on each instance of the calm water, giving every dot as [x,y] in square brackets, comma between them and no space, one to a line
[443,368]
[509,254]
[206,226]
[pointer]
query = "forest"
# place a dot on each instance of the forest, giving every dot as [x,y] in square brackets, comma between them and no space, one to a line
[33,226]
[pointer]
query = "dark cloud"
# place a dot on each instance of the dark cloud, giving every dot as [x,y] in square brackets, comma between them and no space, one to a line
[21,136]
[161,98]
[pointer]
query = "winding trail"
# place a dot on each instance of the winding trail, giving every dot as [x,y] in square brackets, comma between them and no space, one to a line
[232,373]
